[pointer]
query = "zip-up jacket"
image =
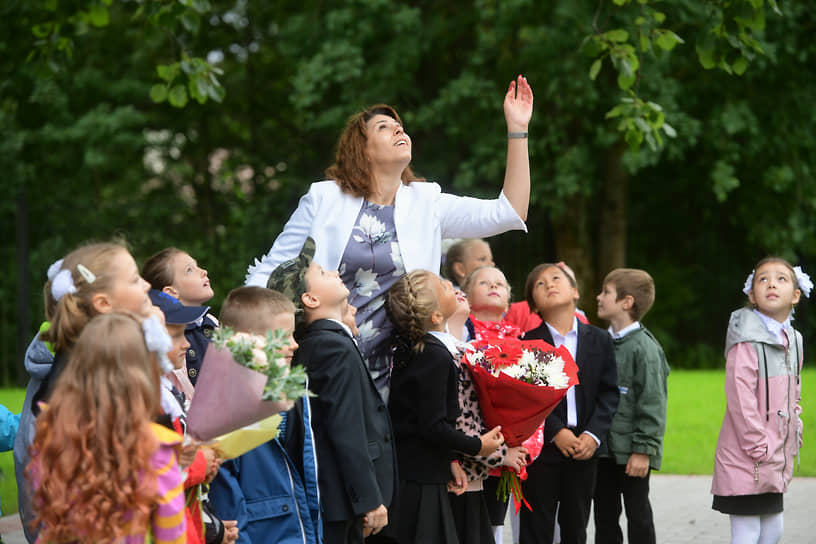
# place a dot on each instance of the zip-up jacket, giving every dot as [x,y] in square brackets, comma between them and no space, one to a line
[761,430]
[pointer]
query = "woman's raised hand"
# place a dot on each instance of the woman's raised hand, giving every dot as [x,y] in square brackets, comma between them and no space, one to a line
[518,105]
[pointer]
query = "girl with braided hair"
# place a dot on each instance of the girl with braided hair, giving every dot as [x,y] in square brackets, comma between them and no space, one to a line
[424,405]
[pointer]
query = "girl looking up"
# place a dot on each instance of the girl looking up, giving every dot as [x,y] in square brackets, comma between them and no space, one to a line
[101,470]
[761,432]
[464,257]
[424,405]
[91,280]
[176,273]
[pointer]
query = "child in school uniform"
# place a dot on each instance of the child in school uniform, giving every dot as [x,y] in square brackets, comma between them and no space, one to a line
[424,405]
[355,449]
[576,430]
[176,273]
[271,490]
[635,439]
[761,431]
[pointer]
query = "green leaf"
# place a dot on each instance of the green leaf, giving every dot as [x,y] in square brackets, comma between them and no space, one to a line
[617,35]
[642,125]
[158,93]
[98,16]
[177,96]
[706,57]
[740,65]
[614,112]
[666,40]
[191,22]
[658,16]
[168,72]
[42,31]
[216,91]
[645,42]
[620,2]
[595,68]
[669,130]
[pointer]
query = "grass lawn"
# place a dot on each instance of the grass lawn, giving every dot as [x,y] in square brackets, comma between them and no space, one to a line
[696,407]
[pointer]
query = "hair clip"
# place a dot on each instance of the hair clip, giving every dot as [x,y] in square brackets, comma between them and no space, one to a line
[62,284]
[804,280]
[85,273]
[158,341]
[749,283]
[54,269]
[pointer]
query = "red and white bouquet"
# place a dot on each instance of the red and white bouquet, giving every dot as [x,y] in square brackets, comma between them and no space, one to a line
[519,383]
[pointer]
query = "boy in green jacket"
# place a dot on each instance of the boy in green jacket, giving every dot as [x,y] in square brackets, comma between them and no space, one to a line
[635,439]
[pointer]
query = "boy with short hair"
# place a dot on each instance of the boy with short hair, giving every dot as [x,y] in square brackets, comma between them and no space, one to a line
[575,431]
[200,463]
[353,429]
[271,490]
[636,436]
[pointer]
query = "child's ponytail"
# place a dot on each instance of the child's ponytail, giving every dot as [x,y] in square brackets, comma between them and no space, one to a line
[411,301]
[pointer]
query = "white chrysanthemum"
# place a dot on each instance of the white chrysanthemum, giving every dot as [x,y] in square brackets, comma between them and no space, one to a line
[366,282]
[368,331]
[528,359]
[514,371]
[396,258]
[559,380]
[475,357]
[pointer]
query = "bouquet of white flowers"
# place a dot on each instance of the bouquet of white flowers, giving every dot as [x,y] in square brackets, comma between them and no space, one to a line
[244,379]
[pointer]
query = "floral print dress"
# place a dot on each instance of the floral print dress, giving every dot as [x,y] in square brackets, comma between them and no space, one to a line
[371,264]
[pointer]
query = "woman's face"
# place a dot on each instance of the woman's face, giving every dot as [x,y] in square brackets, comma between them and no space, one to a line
[386,142]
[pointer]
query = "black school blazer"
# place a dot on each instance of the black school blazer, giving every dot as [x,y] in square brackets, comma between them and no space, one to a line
[596,396]
[353,437]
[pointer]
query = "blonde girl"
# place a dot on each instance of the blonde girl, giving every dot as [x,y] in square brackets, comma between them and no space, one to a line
[424,405]
[176,273]
[91,280]
[464,257]
[761,430]
[101,470]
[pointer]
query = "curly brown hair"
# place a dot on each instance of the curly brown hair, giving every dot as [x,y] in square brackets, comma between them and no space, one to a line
[91,454]
[351,168]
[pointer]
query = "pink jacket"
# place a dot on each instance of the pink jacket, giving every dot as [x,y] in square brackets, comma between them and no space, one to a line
[761,430]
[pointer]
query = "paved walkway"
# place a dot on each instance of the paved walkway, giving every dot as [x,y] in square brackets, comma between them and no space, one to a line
[682,509]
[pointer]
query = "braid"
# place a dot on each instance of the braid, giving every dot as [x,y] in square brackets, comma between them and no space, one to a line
[410,305]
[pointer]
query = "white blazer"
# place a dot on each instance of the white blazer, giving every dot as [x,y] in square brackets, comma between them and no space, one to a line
[423,216]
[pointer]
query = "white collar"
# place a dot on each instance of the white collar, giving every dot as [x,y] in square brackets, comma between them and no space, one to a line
[345,327]
[775,327]
[624,331]
[448,340]
[554,332]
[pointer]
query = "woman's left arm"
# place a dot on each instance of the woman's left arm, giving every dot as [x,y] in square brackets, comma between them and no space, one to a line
[518,109]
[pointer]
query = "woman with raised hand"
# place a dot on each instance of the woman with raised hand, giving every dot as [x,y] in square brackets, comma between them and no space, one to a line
[374,220]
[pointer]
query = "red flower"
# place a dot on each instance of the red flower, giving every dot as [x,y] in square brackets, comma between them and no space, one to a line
[504,354]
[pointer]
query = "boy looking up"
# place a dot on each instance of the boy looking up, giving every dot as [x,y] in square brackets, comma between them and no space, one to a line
[352,427]
[271,490]
[636,436]
[564,471]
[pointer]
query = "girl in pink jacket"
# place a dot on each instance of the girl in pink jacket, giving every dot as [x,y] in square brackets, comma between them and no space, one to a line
[761,432]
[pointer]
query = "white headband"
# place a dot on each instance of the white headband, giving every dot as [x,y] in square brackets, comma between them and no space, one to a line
[801,277]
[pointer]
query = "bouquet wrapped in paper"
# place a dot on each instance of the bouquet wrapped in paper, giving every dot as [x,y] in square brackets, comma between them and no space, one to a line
[519,383]
[244,379]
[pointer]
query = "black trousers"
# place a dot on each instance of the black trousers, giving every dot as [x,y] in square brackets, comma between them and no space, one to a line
[343,532]
[569,482]
[612,482]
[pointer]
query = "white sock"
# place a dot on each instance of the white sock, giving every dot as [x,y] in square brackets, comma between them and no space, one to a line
[745,529]
[770,528]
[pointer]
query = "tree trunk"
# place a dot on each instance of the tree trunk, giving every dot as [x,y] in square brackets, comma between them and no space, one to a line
[574,246]
[612,217]
[23,287]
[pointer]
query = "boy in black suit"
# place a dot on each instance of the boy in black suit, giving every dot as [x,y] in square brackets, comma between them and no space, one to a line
[355,453]
[574,432]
